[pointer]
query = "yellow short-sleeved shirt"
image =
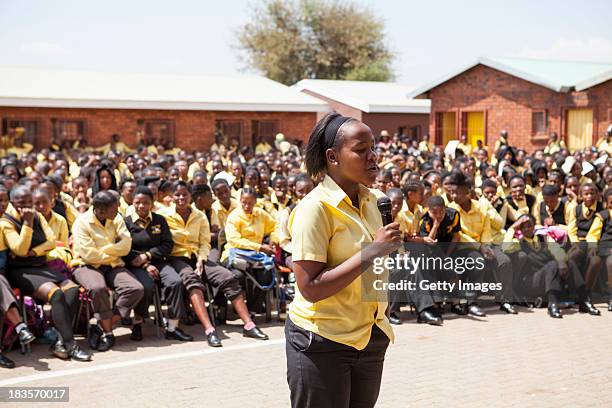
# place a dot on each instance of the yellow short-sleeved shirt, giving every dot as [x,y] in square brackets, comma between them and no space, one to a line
[326,227]
[475,224]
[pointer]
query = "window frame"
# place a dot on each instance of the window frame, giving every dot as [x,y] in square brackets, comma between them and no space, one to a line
[540,134]
[56,123]
[144,123]
[31,140]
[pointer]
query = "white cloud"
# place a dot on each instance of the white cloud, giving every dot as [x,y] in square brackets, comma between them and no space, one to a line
[593,49]
[44,49]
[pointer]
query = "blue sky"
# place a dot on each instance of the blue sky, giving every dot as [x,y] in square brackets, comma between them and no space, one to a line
[429,38]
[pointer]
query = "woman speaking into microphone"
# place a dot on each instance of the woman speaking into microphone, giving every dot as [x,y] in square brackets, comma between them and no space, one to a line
[336,335]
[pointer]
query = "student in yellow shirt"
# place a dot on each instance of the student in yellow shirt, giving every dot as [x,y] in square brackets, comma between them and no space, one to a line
[330,327]
[600,237]
[280,198]
[29,240]
[191,235]
[61,205]
[410,216]
[476,228]
[397,202]
[303,186]
[222,278]
[553,210]
[81,202]
[247,226]
[580,223]
[425,146]
[127,195]
[8,302]
[519,202]
[101,239]
[221,208]
[464,146]
[542,267]
[554,145]
[57,223]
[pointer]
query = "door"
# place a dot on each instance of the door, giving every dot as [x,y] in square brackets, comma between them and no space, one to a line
[579,128]
[448,127]
[475,127]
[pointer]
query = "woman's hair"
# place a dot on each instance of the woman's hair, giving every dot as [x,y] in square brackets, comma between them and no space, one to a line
[19,191]
[412,185]
[178,184]
[457,178]
[278,178]
[516,176]
[395,192]
[95,188]
[489,183]
[435,201]
[218,182]
[248,191]
[165,187]
[199,189]
[144,190]
[104,199]
[550,190]
[325,135]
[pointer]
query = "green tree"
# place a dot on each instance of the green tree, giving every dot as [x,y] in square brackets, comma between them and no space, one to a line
[326,39]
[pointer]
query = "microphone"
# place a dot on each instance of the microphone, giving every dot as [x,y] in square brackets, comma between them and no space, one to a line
[384,206]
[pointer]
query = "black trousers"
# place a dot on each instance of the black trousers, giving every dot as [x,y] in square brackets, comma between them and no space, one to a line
[324,374]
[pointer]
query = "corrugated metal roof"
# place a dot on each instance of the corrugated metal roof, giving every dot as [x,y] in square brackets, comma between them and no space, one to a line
[87,89]
[560,76]
[367,96]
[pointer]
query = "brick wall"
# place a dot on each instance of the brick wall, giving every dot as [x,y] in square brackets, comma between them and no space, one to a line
[508,103]
[601,96]
[392,121]
[192,129]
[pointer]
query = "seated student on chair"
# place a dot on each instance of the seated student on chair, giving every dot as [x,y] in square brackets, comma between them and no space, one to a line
[29,240]
[8,303]
[101,239]
[246,228]
[148,261]
[579,225]
[221,278]
[191,235]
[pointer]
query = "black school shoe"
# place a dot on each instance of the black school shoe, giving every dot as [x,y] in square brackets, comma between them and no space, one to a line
[213,340]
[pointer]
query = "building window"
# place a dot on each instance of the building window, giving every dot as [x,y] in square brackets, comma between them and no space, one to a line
[264,130]
[157,132]
[539,122]
[228,130]
[68,129]
[415,132]
[29,127]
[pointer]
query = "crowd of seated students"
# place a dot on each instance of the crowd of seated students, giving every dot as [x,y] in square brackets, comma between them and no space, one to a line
[113,225]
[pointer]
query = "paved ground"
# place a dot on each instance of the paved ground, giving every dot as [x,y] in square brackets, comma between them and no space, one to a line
[529,360]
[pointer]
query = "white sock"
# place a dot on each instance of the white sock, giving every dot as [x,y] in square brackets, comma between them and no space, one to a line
[172,324]
[20,327]
[110,333]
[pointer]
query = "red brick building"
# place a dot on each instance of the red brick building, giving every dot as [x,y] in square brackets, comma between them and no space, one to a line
[528,98]
[380,105]
[186,110]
